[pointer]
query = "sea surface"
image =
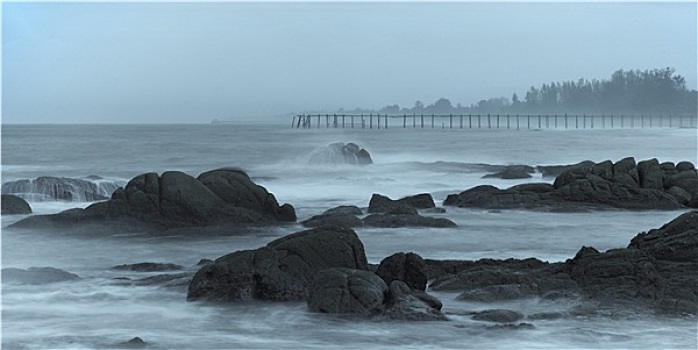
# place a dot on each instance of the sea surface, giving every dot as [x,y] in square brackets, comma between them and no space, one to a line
[99,311]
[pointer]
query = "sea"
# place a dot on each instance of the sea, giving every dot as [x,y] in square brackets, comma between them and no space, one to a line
[100,311]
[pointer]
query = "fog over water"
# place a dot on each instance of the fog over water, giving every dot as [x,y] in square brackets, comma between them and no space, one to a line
[99,310]
[136,62]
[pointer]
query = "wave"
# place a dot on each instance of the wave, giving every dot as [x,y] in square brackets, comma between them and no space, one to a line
[48,188]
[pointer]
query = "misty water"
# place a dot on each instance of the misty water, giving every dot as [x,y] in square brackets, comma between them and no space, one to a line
[100,311]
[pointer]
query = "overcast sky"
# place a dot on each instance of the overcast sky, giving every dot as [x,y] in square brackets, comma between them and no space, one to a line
[195,62]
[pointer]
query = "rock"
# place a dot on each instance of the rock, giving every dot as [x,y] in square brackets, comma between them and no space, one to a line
[685,166]
[340,153]
[343,216]
[556,170]
[49,188]
[13,205]
[680,194]
[603,185]
[134,343]
[512,326]
[513,172]
[394,220]
[650,174]
[344,209]
[148,267]
[498,315]
[363,293]
[402,303]
[503,292]
[175,200]
[204,262]
[675,241]
[36,275]
[381,204]
[346,291]
[282,270]
[407,267]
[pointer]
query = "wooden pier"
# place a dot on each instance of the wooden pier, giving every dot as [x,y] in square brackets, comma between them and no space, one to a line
[493,121]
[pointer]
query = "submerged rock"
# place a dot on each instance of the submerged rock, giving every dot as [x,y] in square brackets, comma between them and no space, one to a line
[148,267]
[13,205]
[36,275]
[498,315]
[175,200]
[343,216]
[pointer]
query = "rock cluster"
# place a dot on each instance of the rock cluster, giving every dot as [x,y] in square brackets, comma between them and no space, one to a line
[385,213]
[624,184]
[656,271]
[325,266]
[175,199]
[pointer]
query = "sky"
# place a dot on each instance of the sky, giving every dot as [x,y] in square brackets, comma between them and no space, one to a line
[146,62]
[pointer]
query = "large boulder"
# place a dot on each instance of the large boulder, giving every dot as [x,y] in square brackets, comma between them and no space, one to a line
[623,184]
[13,205]
[176,199]
[340,153]
[282,270]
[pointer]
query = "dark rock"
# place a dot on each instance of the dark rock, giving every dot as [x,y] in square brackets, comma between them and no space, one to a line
[503,292]
[680,194]
[556,170]
[650,174]
[685,166]
[363,293]
[175,200]
[344,209]
[36,275]
[407,267]
[498,315]
[280,271]
[13,205]
[603,185]
[390,220]
[381,204]
[347,291]
[404,304]
[343,216]
[204,262]
[148,267]
[667,166]
[339,153]
[512,326]
[675,241]
[512,172]
[49,188]
[135,343]
[338,219]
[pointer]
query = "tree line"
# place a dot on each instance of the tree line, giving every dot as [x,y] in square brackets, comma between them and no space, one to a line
[655,91]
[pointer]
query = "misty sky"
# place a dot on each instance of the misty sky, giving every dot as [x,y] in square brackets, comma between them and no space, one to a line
[195,62]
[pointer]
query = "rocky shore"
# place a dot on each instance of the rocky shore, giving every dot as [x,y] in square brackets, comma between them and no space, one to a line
[327,268]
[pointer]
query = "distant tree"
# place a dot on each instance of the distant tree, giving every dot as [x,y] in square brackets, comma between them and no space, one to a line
[390,109]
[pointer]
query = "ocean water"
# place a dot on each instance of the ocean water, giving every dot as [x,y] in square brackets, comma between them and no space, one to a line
[99,311]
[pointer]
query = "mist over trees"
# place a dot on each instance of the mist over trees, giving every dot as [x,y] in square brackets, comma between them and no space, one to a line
[656,91]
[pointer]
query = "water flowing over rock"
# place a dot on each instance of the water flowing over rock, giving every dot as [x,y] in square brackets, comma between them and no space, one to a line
[175,199]
[340,153]
[282,270]
[624,184]
[13,205]
[48,188]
